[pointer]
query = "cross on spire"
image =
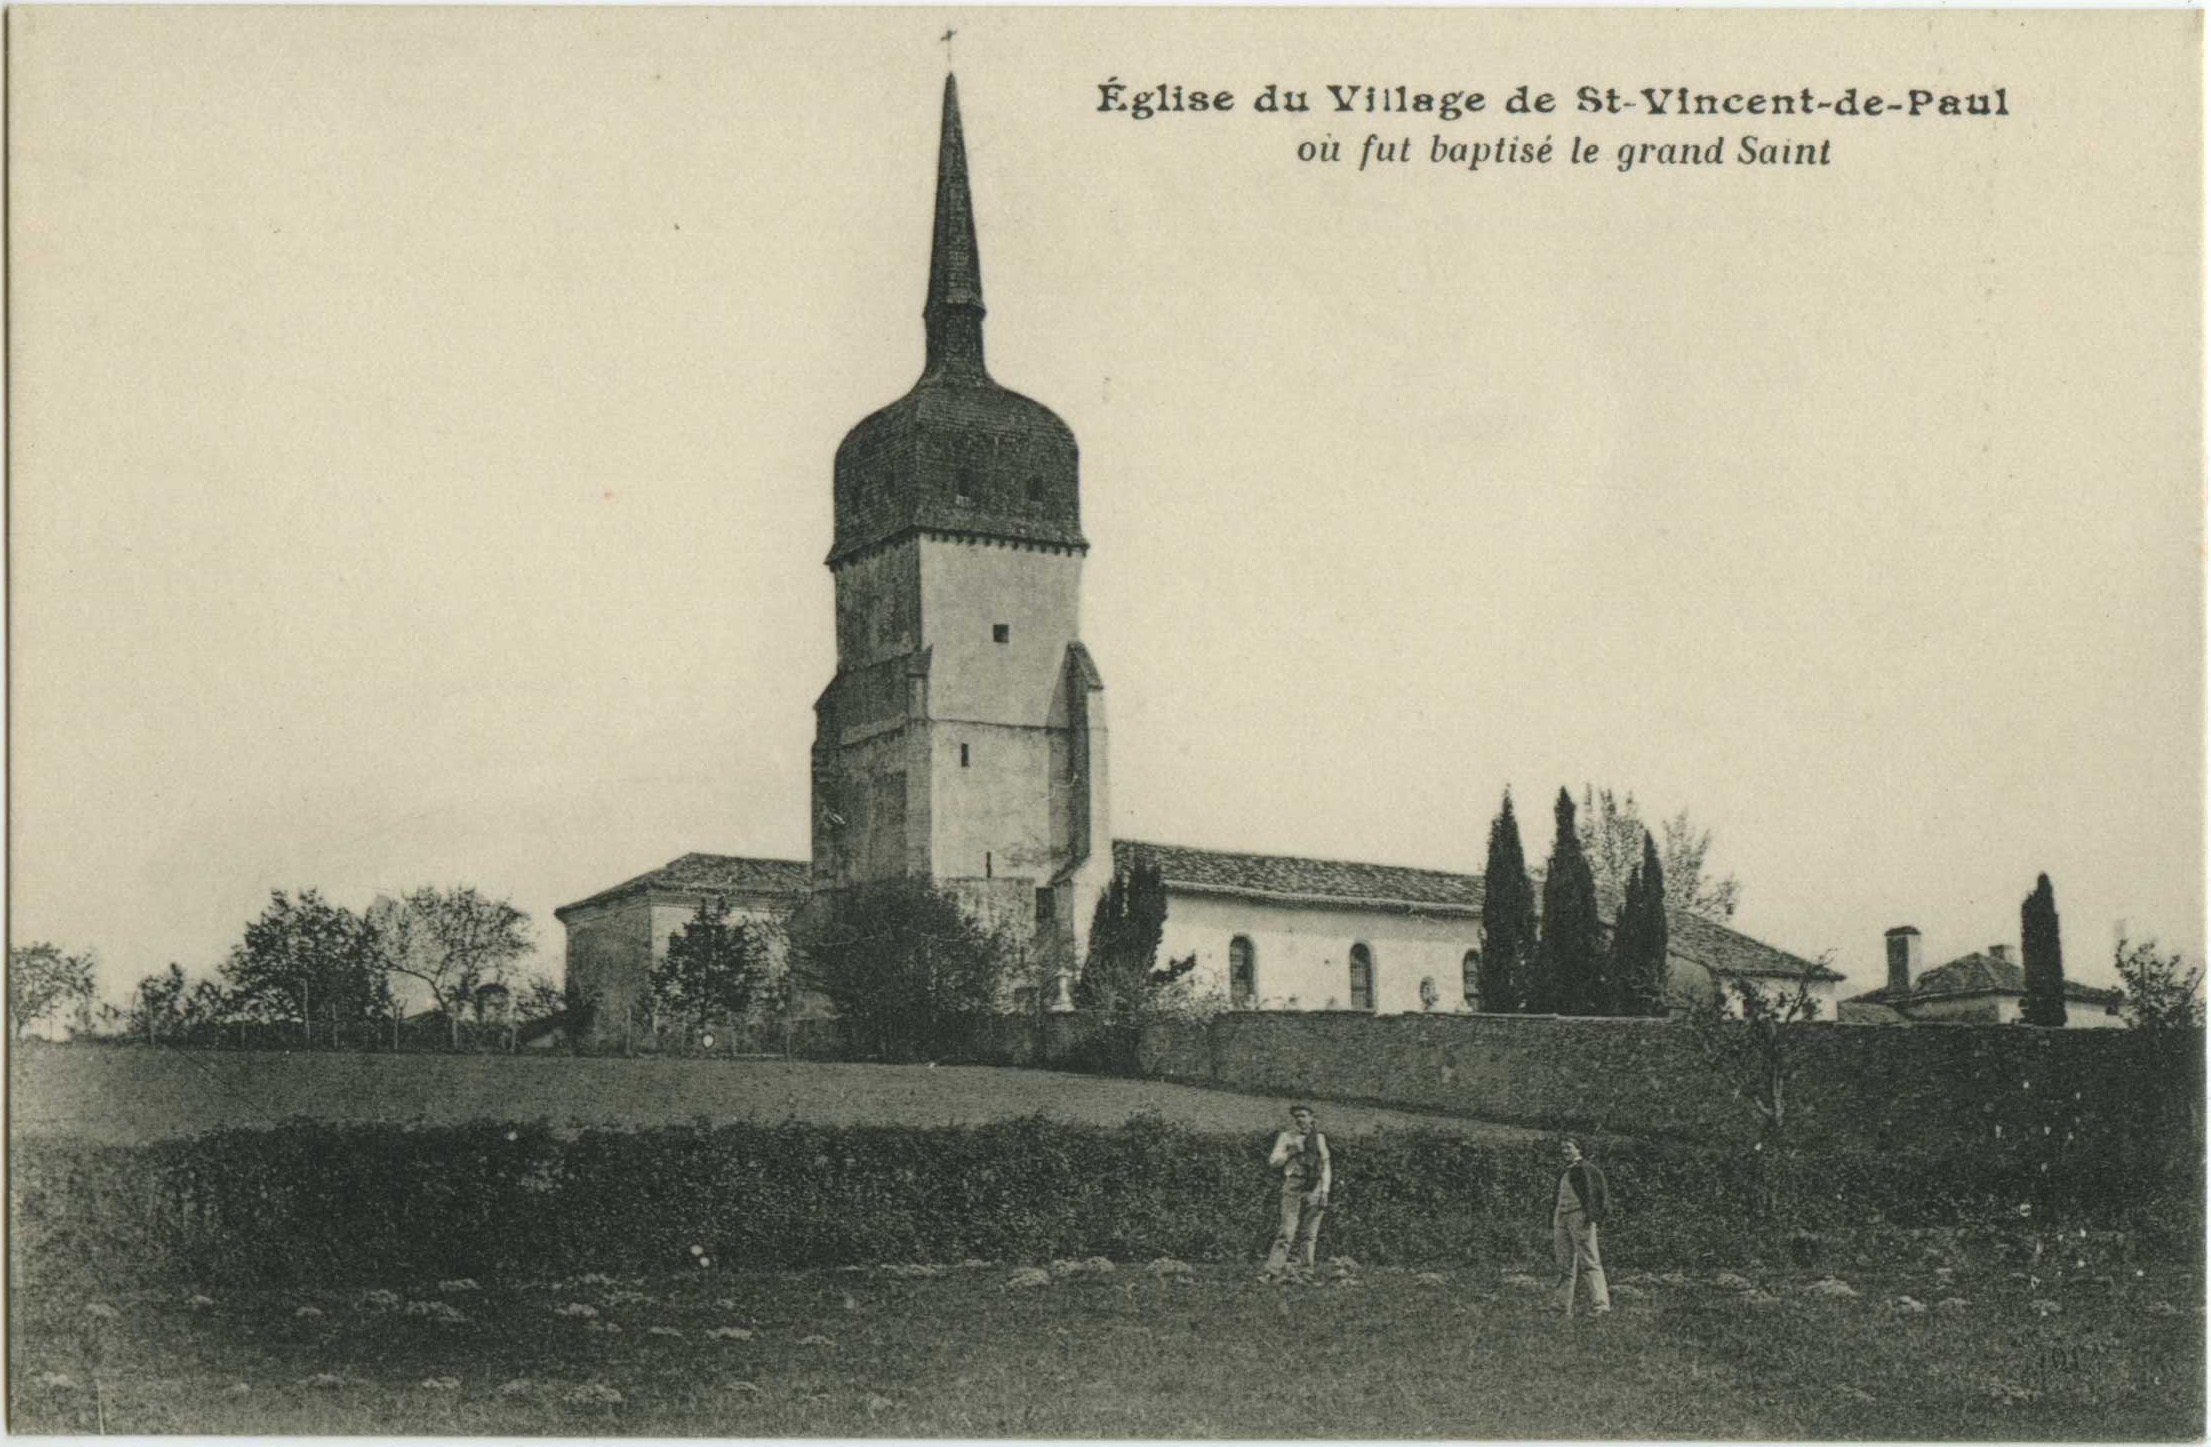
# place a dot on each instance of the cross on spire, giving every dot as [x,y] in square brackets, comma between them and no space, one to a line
[946,41]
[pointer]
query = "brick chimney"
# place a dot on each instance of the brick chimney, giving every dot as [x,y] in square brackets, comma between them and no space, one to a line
[1903,943]
[2000,952]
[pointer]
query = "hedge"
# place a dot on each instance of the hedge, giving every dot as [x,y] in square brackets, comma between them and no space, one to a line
[310,1203]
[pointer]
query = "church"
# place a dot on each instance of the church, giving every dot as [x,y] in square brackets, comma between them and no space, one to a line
[963,738]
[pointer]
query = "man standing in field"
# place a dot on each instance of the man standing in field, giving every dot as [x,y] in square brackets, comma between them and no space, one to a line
[1301,1155]
[1580,1209]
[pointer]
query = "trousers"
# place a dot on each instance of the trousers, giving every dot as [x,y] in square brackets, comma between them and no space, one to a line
[1300,1231]
[1574,1243]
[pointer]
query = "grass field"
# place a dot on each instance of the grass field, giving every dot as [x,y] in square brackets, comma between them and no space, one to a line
[1132,1352]
[126,1095]
[1937,1344]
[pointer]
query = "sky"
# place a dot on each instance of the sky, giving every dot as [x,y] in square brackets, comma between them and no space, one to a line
[422,425]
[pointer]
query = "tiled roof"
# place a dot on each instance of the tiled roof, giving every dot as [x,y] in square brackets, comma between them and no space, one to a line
[1729,952]
[1293,880]
[1980,974]
[717,873]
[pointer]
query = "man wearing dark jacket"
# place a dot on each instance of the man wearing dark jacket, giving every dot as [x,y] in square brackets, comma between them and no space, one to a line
[1580,1209]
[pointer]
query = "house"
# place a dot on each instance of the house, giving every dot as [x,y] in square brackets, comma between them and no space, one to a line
[616,935]
[1982,988]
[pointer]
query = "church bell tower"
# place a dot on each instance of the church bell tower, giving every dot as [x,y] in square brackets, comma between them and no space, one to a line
[963,737]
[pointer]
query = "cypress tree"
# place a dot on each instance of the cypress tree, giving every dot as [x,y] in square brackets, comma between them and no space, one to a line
[1570,964]
[1508,918]
[1125,931]
[1639,939]
[2040,957]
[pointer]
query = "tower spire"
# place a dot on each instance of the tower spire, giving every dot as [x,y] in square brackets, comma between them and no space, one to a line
[954,311]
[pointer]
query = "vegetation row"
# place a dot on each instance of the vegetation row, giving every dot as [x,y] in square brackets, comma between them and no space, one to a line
[911,974]
[316,1204]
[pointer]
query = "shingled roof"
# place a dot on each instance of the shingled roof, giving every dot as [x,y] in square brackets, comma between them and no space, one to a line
[710,874]
[1289,879]
[1293,880]
[1728,952]
[1979,974]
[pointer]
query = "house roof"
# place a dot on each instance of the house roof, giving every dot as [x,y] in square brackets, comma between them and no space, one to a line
[1289,879]
[1731,952]
[1293,880]
[710,874]
[1978,974]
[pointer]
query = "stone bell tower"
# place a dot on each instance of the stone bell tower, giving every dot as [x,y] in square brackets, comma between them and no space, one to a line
[963,738]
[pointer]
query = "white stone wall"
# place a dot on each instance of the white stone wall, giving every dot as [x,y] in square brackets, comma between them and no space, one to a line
[2007,1007]
[991,813]
[1302,955]
[609,950]
[966,588]
[1688,980]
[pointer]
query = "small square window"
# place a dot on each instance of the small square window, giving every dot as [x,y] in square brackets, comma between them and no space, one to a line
[1000,633]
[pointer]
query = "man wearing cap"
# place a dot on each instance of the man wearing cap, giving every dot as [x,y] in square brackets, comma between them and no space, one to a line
[1302,1157]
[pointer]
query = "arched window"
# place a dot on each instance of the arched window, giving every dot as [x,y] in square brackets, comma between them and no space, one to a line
[1243,974]
[1470,976]
[1362,978]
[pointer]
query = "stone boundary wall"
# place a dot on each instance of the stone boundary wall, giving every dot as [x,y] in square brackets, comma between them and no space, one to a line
[1904,1086]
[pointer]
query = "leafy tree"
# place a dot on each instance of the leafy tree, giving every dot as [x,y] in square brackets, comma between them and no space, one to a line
[2040,957]
[206,1008]
[1570,964]
[713,968]
[1125,930]
[1612,833]
[2163,1006]
[907,969]
[308,961]
[1508,918]
[1639,939]
[453,942]
[158,1006]
[43,981]
[2161,993]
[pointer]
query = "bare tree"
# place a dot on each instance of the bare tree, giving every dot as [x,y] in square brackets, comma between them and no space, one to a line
[451,941]
[1756,1051]
[43,980]
[1612,840]
[1754,1047]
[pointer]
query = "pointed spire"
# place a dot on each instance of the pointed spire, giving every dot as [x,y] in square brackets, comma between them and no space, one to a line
[954,312]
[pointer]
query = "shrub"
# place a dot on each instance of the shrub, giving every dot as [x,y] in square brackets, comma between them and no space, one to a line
[310,1203]
[910,972]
